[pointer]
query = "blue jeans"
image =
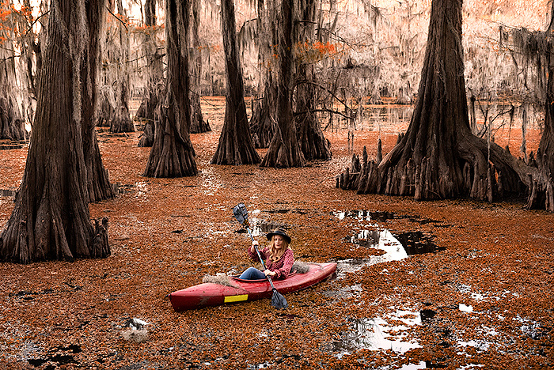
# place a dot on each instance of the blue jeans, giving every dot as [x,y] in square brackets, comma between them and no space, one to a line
[252,273]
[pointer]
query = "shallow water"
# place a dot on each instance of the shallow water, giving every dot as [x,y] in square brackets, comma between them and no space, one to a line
[376,334]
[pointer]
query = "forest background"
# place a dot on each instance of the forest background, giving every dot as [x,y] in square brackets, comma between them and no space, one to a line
[374,50]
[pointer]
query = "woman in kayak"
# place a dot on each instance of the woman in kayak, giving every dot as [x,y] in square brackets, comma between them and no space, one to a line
[278,257]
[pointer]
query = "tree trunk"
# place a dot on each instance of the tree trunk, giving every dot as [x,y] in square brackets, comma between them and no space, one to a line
[148,111]
[198,125]
[439,157]
[51,219]
[235,143]
[118,74]
[172,154]
[541,195]
[284,150]
[105,110]
[309,133]
[11,122]
[98,184]
[11,125]
[262,123]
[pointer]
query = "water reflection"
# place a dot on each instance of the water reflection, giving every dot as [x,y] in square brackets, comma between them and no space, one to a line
[362,215]
[378,334]
[142,189]
[379,239]
[210,181]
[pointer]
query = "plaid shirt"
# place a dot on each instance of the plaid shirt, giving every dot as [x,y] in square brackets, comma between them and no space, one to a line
[281,268]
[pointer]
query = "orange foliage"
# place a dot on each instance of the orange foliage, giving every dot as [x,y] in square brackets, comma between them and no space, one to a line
[312,52]
[9,16]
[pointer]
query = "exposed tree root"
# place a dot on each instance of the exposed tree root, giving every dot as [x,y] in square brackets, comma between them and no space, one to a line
[439,157]
[172,154]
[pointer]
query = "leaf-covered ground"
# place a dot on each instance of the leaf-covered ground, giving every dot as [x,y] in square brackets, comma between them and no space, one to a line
[483,301]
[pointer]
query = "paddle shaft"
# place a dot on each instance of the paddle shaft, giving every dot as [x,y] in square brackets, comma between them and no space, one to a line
[260,258]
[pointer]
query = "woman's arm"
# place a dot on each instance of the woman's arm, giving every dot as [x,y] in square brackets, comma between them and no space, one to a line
[252,252]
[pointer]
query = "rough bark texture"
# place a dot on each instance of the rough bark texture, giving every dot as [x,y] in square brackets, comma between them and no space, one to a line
[309,133]
[98,184]
[235,143]
[172,154]
[148,111]
[11,125]
[262,123]
[105,110]
[11,120]
[197,125]
[284,150]
[51,218]
[118,73]
[439,157]
[313,143]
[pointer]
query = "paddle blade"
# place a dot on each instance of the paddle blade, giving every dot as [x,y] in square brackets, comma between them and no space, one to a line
[241,214]
[278,300]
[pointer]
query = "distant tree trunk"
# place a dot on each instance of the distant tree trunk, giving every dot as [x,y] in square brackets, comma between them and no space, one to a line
[98,183]
[198,125]
[309,133]
[262,123]
[172,154]
[235,143]
[105,108]
[121,120]
[30,60]
[148,111]
[541,195]
[11,122]
[284,150]
[439,157]
[51,219]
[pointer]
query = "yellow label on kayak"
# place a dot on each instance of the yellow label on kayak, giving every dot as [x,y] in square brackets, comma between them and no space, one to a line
[236,298]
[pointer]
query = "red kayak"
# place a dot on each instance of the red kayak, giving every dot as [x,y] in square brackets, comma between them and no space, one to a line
[239,290]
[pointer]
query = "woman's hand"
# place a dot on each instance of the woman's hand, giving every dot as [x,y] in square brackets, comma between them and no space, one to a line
[269,273]
[254,243]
